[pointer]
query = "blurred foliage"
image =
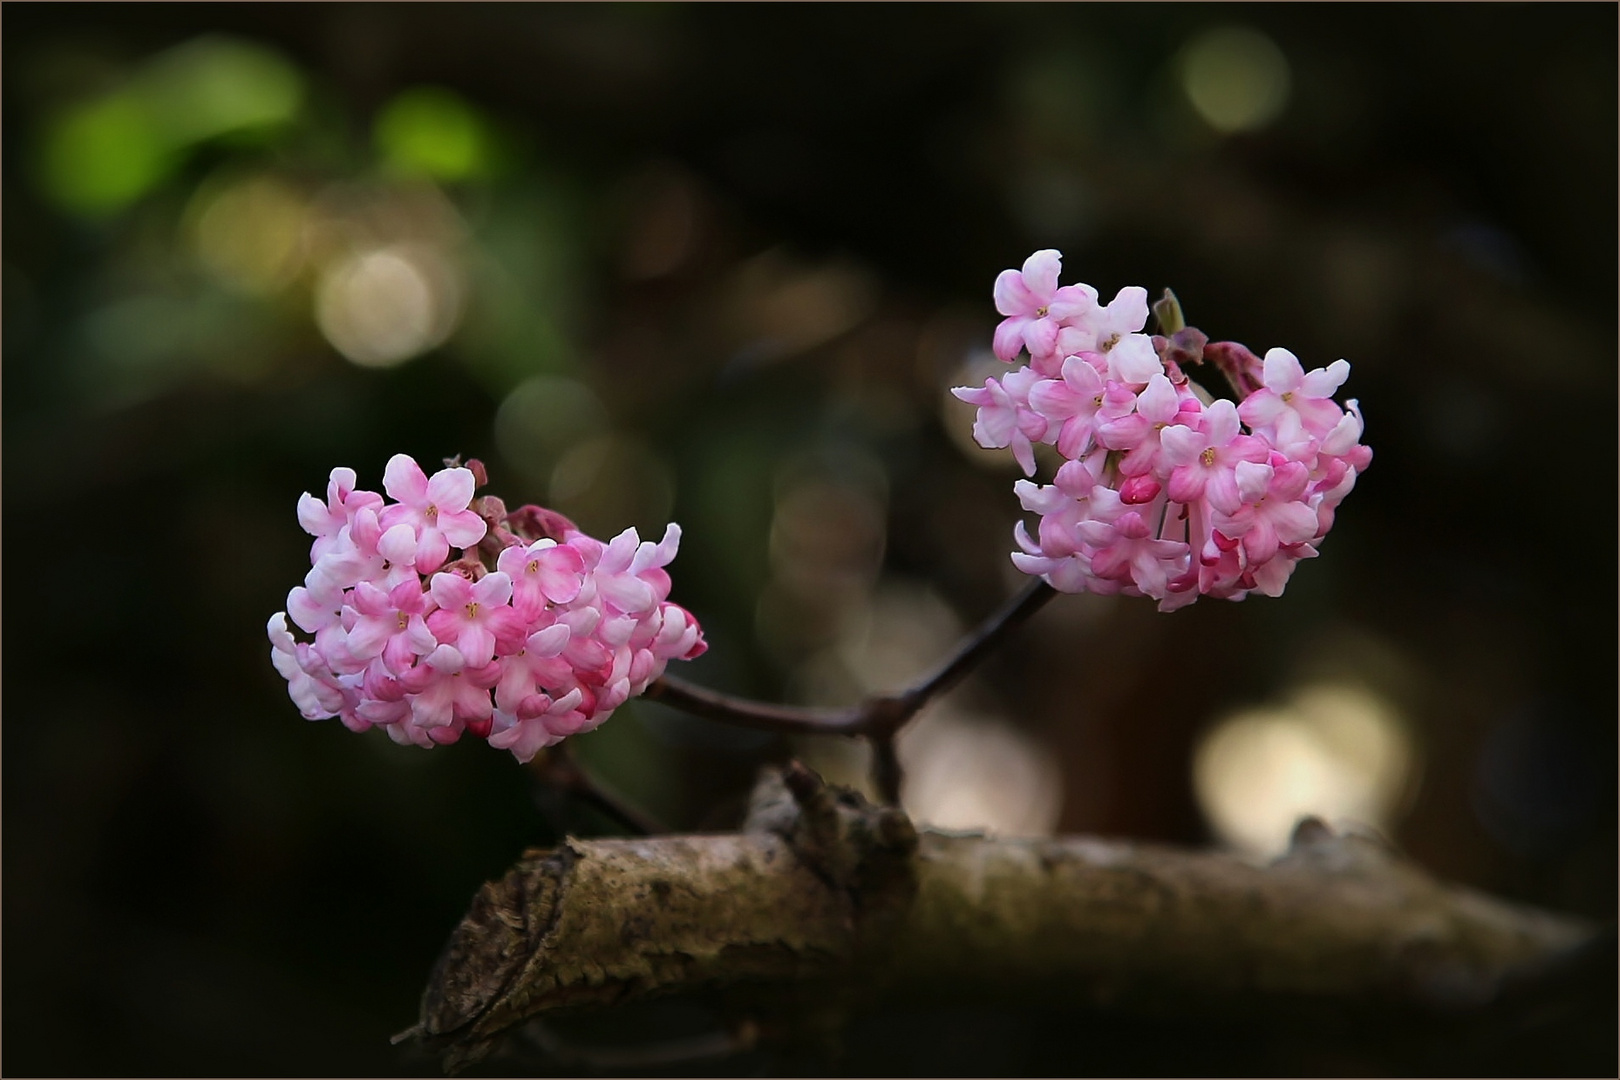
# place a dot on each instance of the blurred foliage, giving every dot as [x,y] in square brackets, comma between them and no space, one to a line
[719,265]
[435,133]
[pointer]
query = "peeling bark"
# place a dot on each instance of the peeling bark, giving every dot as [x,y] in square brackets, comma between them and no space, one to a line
[822,888]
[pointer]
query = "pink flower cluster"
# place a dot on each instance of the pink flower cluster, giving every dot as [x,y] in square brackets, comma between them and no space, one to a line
[545,643]
[1163,491]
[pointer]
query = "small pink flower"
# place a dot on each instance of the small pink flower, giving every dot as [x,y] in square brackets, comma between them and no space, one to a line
[310,684]
[1123,318]
[475,616]
[1036,307]
[1005,417]
[446,690]
[389,625]
[545,572]
[436,509]
[384,700]
[1133,361]
[547,725]
[362,551]
[324,520]
[1294,407]
[1128,550]
[678,636]
[537,666]
[1158,407]
[1071,401]
[1203,458]
[1272,513]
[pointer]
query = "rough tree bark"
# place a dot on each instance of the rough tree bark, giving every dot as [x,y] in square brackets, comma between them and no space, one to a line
[825,891]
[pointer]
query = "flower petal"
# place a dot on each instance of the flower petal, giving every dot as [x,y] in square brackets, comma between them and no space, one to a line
[1012,294]
[451,489]
[463,528]
[1283,372]
[1132,360]
[1323,382]
[1041,272]
[405,481]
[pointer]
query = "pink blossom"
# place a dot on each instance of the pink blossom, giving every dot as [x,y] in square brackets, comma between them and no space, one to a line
[1125,315]
[1071,401]
[325,520]
[1132,360]
[678,636]
[536,666]
[445,689]
[545,644]
[1158,407]
[1203,458]
[1105,329]
[362,551]
[383,700]
[391,625]
[436,509]
[1127,549]
[547,725]
[1271,513]
[1036,307]
[475,616]
[1162,491]
[310,684]
[1005,418]
[1294,407]
[543,573]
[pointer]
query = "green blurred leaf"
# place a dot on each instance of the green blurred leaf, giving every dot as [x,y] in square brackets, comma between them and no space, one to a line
[428,131]
[102,156]
[213,86]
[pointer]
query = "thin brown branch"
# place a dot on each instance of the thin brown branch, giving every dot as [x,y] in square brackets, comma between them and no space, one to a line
[878,718]
[880,715]
[559,768]
[887,773]
[973,648]
[745,712]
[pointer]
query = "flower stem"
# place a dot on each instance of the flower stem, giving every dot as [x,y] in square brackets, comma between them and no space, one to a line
[878,718]
[559,768]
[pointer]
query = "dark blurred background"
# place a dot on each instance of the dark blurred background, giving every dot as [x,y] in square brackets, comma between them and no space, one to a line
[720,265]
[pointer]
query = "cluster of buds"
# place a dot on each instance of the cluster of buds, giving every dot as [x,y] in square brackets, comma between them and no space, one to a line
[1163,491]
[534,633]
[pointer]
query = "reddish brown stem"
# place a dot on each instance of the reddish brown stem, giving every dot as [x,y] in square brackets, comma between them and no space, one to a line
[878,718]
[559,768]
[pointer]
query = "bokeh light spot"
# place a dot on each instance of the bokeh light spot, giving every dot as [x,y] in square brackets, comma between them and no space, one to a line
[1335,751]
[1236,78]
[249,234]
[974,772]
[611,482]
[384,306]
[541,418]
